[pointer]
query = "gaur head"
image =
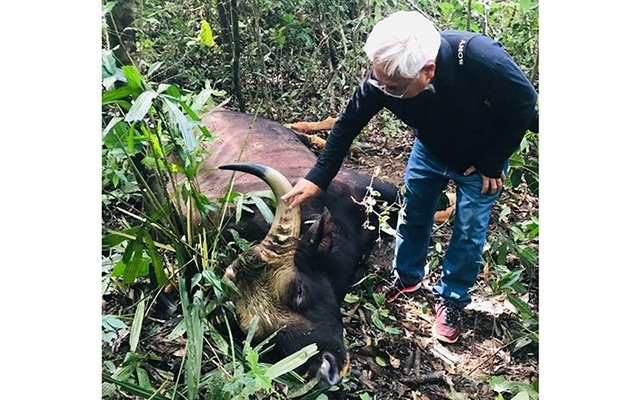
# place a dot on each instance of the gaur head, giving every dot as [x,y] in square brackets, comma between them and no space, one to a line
[283,281]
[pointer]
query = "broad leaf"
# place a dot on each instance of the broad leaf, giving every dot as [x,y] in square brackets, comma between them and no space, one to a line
[106,8]
[183,124]
[134,79]
[521,306]
[292,361]
[509,278]
[201,99]
[265,211]
[206,35]
[116,94]
[193,315]
[136,326]
[141,106]
[156,260]
[108,63]
[112,322]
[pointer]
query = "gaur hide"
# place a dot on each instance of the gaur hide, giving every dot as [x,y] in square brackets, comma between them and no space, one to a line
[298,271]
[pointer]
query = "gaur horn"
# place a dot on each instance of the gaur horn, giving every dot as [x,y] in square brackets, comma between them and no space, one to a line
[282,237]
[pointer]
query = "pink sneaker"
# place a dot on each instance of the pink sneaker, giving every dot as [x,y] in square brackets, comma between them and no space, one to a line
[396,288]
[447,325]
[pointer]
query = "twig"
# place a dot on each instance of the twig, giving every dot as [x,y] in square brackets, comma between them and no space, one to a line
[431,377]
[416,8]
[484,362]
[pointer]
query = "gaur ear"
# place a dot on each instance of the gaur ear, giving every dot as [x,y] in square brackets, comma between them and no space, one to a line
[319,234]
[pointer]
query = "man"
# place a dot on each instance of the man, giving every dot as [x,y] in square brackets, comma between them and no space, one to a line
[469,106]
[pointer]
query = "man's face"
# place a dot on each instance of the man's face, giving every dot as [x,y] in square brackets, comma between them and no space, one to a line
[401,87]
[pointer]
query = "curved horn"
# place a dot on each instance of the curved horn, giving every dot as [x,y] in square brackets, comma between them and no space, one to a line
[282,237]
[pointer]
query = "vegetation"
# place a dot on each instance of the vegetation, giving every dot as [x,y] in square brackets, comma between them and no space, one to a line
[163,64]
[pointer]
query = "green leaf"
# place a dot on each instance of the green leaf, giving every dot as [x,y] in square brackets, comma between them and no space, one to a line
[156,260]
[143,378]
[478,7]
[516,160]
[251,357]
[110,126]
[526,253]
[174,92]
[392,330]
[194,117]
[381,361]
[351,298]
[106,8]
[108,63]
[193,315]
[292,361]
[206,35]
[521,396]
[300,390]
[201,99]
[251,332]
[111,322]
[528,5]
[116,94]
[178,331]
[265,211]
[141,106]
[500,385]
[119,268]
[184,126]
[114,238]
[131,139]
[133,261]
[378,322]
[136,326]
[509,278]
[131,388]
[521,342]
[153,68]
[523,308]
[134,79]
[221,344]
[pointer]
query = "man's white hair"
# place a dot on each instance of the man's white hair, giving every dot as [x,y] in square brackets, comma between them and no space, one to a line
[402,43]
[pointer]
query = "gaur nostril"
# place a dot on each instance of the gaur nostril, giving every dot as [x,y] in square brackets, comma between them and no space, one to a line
[329,370]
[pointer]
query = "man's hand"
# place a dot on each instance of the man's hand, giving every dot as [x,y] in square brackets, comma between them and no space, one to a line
[489,185]
[301,192]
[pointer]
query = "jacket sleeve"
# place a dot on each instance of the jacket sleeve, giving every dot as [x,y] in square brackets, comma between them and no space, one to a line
[363,105]
[512,98]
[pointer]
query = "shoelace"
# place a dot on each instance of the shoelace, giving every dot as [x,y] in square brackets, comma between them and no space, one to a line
[451,313]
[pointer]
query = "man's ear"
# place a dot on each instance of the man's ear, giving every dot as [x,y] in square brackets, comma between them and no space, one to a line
[429,69]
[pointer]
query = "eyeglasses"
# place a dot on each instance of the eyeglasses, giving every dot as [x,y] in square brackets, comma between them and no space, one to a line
[391,92]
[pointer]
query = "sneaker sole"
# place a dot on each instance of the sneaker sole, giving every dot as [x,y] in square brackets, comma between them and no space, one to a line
[442,338]
[407,289]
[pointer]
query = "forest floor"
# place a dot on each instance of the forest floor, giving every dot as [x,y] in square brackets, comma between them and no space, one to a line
[419,366]
[410,364]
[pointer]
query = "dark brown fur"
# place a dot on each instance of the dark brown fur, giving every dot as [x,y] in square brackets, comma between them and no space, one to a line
[305,292]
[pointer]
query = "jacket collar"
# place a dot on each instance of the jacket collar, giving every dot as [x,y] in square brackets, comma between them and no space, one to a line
[445,65]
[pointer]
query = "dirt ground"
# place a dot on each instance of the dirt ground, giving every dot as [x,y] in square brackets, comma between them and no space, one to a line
[411,364]
[420,367]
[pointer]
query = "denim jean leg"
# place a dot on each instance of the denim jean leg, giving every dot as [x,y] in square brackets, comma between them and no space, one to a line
[463,258]
[424,181]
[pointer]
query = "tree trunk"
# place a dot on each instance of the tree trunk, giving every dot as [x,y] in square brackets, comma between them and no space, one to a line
[224,20]
[237,84]
[121,17]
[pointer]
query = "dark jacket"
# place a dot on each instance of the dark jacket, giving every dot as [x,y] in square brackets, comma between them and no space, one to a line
[480,110]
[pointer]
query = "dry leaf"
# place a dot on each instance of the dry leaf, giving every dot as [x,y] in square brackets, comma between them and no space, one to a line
[395,363]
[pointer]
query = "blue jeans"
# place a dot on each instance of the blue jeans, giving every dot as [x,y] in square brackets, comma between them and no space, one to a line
[425,179]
